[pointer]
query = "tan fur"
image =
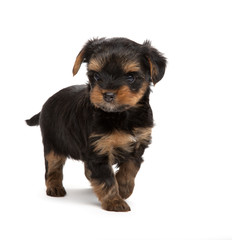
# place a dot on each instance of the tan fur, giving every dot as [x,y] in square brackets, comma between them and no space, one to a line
[96,95]
[142,135]
[153,70]
[79,60]
[109,197]
[106,144]
[95,65]
[54,175]
[131,67]
[102,192]
[125,178]
[127,97]
[87,172]
[124,96]
[54,160]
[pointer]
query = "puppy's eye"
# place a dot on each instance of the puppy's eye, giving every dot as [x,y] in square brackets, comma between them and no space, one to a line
[130,78]
[96,76]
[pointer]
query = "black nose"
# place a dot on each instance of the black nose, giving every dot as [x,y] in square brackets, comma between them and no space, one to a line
[108,96]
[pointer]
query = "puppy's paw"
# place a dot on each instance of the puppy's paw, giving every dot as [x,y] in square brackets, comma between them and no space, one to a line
[56,191]
[125,190]
[117,205]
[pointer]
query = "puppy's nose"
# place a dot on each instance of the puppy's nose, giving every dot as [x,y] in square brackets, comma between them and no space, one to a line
[109,96]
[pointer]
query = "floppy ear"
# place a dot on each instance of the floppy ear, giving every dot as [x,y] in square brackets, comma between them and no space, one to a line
[86,52]
[79,59]
[156,62]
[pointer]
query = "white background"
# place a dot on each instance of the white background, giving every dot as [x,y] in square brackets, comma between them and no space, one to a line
[184,188]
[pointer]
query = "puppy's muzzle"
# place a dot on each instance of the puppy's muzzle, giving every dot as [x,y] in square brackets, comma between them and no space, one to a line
[109,96]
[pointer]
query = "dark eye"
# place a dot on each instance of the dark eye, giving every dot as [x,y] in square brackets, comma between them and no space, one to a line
[130,78]
[96,76]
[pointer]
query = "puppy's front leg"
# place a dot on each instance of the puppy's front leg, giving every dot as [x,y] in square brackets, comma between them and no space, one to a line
[105,186]
[126,176]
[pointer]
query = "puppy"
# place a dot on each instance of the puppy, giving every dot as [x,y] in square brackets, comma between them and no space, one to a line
[106,122]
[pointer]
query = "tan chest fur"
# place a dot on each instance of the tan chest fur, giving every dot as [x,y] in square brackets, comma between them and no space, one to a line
[107,144]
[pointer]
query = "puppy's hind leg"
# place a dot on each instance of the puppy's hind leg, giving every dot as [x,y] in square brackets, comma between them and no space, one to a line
[54,174]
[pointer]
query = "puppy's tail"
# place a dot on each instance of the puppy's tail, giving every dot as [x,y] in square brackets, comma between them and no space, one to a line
[34,121]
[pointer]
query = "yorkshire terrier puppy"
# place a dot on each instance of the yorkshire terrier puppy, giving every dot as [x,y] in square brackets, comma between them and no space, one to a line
[107,121]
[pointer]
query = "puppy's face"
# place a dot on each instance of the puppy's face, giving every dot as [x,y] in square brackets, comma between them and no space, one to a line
[117,79]
[120,72]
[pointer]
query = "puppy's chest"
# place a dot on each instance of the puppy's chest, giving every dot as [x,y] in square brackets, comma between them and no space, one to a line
[119,141]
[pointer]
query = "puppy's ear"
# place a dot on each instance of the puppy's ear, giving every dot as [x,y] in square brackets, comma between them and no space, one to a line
[156,62]
[85,54]
[79,59]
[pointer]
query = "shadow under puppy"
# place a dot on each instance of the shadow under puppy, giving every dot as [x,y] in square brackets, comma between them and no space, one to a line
[106,122]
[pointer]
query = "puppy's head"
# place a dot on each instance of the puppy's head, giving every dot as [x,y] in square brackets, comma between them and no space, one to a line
[120,71]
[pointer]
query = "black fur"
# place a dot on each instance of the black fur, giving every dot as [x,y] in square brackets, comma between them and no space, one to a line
[34,121]
[70,123]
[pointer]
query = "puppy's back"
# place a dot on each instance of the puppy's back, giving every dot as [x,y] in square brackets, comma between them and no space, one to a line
[63,118]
